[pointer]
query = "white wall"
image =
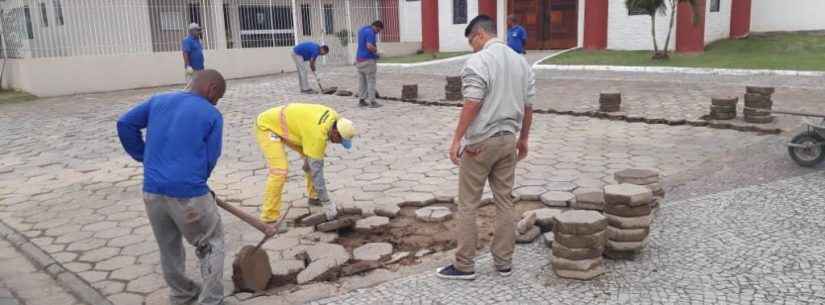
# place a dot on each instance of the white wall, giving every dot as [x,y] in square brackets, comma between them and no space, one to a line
[410,20]
[626,32]
[717,24]
[781,15]
[451,36]
[80,74]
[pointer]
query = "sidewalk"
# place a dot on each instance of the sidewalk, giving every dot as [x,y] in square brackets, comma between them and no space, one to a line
[21,283]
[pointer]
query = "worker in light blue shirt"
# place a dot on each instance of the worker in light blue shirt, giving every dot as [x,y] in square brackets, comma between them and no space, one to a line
[183,143]
[302,53]
[366,63]
[516,35]
[192,50]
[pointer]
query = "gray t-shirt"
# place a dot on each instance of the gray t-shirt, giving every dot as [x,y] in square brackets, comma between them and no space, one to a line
[503,82]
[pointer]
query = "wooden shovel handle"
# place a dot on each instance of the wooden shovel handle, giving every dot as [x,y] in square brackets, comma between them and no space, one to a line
[251,220]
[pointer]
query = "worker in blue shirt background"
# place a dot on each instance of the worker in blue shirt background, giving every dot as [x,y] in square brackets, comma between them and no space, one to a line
[366,63]
[302,53]
[192,50]
[184,132]
[516,35]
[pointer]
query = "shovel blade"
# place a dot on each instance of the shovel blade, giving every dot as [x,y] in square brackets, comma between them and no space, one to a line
[251,271]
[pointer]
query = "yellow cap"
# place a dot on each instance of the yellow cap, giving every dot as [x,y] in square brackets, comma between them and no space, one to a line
[345,128]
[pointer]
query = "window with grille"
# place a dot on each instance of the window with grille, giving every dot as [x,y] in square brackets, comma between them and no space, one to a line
[28,15]
[329,19]
[306,19]
[715,6]
[44,19]
[58,12]
[459,11]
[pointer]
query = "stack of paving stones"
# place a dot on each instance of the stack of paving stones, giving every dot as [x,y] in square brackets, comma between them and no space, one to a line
[526,229]
[723,108]
[453,88]
[644,177]
[409,92]
[610,102]
[758,103]
[628,208]
[578,244]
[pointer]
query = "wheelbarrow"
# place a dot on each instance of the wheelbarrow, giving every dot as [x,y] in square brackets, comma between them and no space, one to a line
[807,148]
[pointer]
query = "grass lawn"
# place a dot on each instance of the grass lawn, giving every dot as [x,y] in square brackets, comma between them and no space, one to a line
[776,52]
[11,96]
[420,57]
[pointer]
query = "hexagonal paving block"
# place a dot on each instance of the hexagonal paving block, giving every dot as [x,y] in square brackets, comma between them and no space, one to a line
[372,251]
[529,193]
[637,176]
[627,194]
[146,284]
[560,186]
[131,272]
[580,223]
[433,214]
[387,210]
[558,199]
[588,199]
[98,255]
[529,236]
[371,224]
[114,263]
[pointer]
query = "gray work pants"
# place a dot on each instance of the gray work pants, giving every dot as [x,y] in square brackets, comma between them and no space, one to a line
[197,220]
[366,79]
[301,68]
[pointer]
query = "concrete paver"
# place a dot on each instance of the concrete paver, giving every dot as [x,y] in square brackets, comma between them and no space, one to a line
[22,283]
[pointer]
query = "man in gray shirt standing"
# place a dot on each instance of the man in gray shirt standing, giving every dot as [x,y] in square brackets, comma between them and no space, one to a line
[498,85]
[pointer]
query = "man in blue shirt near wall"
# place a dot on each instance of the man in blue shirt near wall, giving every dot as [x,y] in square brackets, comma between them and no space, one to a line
[516,35]
[183,143]
[192,49]
[365,62]
[307,51]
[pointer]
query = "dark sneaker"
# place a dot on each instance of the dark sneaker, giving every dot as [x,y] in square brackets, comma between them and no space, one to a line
[363,103]
[310,91]
[451,273]
[375,105]
[314,201]
[505,272]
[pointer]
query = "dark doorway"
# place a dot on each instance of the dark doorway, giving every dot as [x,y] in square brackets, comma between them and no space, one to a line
[550,24]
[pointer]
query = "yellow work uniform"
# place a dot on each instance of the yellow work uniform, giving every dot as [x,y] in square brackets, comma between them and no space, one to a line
[302,127]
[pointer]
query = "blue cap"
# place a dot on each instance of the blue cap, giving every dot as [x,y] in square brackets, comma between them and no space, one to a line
[346,143]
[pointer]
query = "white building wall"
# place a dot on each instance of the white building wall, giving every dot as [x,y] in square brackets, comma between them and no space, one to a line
[787,15]
[451,36]
[410,20]
[717,24]
[625,32]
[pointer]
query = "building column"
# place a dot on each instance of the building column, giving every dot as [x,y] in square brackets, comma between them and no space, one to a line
[429,26]
[740,18]
[501,18]
[690,35]
[595,24]
[219,27]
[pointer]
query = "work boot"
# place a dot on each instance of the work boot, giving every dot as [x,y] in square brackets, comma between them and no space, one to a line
[363,103]
[375,105]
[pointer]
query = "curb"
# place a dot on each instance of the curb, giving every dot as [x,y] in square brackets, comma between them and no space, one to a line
[679,70]
[538,63]
[618,116]
[42,260]
[424,64]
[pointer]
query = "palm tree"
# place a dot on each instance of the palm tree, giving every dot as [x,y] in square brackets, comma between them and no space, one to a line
[654,7]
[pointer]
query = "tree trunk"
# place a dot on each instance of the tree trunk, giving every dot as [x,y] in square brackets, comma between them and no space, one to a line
[653,33]
[673,8]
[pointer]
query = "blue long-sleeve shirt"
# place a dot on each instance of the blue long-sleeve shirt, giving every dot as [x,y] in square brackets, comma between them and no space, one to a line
[184,133]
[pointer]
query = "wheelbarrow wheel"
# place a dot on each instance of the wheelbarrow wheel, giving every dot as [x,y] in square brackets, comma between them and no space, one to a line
[808,156]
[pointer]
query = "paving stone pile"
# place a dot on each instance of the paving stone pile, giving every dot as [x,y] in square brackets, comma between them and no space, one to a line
[526,230]
[452,90]
[723,108]
[578,244]
[545,218]
[758,103]
[610,102]
[644,177]
[588,199]
[409,92]
[628,208]
[558,199]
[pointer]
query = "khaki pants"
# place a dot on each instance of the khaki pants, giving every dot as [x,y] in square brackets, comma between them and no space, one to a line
[492,160]
[301,68]
[196,220]
[366,79]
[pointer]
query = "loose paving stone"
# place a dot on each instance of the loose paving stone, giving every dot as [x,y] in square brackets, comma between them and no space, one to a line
[526,223]
[387,210]
[319,270]
[628,194]
[529,193]
[580,275]
[398,256]
[286,267]
[588,199]
[628,211]
[622,235]
[580,222]
[372,252]
[529,236]
[313,220]
[575,265]
[560,250]
[324,250]
[434,214]
[545,217]
[334,225]
[371,224]
[558,199]
[640,222]
[581,241]
[424,252]
[548,239]
[560,186]
[637,176]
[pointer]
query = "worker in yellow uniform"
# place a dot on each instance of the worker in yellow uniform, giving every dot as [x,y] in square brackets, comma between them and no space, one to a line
[305,128]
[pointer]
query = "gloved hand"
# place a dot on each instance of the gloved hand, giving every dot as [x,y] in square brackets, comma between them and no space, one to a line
[330,209]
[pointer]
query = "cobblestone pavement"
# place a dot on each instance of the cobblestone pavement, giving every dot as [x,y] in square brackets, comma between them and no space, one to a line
[757,245]
[22,283]
[66,184]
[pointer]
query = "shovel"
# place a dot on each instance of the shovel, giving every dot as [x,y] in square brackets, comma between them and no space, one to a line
[251,270]
[330,90]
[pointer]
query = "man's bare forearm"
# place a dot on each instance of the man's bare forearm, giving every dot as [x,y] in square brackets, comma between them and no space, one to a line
[526,122]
